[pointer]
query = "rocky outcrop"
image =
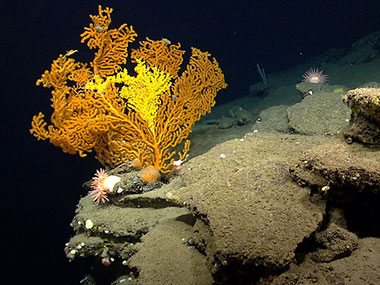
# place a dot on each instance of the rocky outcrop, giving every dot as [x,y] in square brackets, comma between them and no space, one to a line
[361,267]
[335,242]
[249,210]
[339,168]
[321,112]
[364,124]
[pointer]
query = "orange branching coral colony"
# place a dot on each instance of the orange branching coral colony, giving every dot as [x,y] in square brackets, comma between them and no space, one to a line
[121,116]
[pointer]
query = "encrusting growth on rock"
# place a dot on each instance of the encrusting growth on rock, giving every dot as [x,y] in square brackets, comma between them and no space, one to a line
[364,124]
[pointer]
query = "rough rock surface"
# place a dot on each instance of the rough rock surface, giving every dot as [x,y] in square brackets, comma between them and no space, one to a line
[136,232]
[273,119]
[314,114]
[361,267]
[310,89]
[244,213]
[252,212]
[336,163]
[364,124]
[348,176]
[337,242]
[363,50]
[185,266]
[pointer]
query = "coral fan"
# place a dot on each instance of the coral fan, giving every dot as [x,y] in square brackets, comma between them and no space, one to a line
[102,107]
[315,76]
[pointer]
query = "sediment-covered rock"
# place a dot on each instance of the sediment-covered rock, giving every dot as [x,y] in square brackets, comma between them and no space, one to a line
[249,211]
[322,113]
[336,242]
[361,267]
[348,168]
[130,238]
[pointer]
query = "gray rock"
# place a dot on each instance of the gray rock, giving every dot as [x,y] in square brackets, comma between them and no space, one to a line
[322,113]
[249,210]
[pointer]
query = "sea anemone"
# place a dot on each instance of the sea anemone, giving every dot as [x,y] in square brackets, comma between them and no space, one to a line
[315,76]
[102,184]
[177,165]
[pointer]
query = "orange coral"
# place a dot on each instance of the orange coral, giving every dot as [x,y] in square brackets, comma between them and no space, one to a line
[98,118]
[158,53]
[112,44]
[150,174]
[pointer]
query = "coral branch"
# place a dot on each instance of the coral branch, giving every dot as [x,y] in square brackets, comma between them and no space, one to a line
[121,116]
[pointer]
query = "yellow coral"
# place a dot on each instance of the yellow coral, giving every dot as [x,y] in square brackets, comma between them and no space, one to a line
[123,117]
[98,84]
[143,91]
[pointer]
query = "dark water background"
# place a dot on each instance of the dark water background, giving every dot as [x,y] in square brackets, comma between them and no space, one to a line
[42,184]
